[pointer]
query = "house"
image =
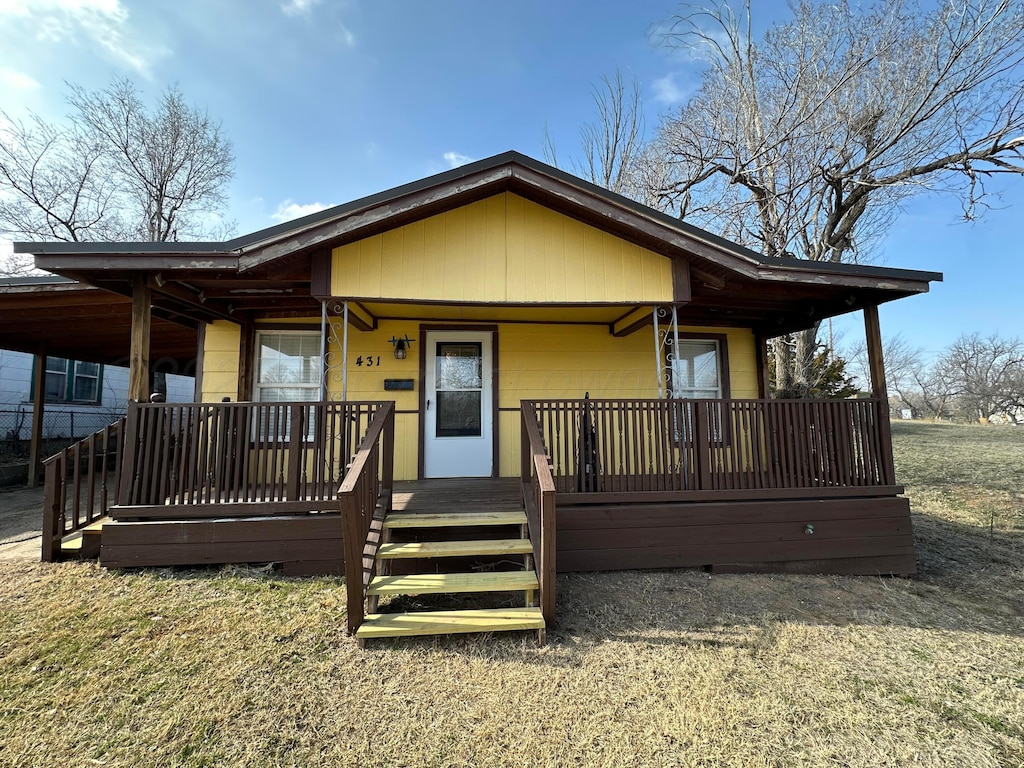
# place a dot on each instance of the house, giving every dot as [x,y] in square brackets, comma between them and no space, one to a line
[504,342]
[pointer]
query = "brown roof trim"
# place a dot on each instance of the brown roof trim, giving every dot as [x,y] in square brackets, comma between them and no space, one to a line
[510,171]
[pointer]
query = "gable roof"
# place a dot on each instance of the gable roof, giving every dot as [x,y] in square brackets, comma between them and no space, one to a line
[740,285]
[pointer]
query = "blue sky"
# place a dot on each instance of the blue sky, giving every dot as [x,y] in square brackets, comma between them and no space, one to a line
[327,101]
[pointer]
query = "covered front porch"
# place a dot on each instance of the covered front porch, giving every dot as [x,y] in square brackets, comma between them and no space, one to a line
[725,484]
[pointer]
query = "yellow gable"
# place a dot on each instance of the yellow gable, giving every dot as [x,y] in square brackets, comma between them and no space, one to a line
[503,249]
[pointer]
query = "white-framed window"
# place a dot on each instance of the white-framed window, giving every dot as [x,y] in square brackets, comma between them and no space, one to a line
[697,369]
[288,366]
[72,381]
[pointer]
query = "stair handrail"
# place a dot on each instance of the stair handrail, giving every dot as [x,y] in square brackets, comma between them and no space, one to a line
[365,500]
[539,498]
[75,469]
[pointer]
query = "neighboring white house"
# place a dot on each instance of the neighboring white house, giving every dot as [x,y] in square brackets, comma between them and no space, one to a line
[81,398]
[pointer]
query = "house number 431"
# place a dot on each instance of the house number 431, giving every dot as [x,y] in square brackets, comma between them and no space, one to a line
[369,361]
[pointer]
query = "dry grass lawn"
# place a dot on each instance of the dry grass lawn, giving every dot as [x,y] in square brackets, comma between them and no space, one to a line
[240,667]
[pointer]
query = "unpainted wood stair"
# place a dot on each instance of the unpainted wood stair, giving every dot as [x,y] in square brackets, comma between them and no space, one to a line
[84,543]
[453,538]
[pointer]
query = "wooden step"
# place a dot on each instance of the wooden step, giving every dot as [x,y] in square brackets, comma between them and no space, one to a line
[437,583]
[396,550]
[454,519]
[450,622]
[85,542]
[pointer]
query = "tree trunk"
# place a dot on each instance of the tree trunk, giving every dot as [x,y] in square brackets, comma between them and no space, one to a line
[783,354]
[804,375]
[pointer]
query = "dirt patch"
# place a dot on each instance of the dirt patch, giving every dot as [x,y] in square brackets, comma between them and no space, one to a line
[21,514]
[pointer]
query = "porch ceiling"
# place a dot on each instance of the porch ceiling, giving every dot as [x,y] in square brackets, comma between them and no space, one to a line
[85,323]
[549,313]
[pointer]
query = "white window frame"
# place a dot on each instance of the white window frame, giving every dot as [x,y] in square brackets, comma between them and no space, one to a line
[312,388]
[687,392]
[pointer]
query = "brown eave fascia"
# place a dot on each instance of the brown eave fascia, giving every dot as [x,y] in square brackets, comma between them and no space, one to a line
[850,275]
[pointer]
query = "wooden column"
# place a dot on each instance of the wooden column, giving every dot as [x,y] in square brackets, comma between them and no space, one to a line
[35,450]
[138,355]
[876,365]
[760,350]
[246,360]
[197,395]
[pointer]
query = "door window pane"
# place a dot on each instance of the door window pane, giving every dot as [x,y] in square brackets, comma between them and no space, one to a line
[459,366]
[458,414]
[459,385]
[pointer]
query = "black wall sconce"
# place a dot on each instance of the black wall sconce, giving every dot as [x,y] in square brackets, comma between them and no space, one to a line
[401,346]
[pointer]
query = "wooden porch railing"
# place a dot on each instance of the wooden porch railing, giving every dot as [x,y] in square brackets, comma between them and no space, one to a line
[539,499]
[82,484]
[238,458]
[690,448]
[365,500]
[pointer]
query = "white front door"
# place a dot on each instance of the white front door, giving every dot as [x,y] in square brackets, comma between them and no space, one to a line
[459,429]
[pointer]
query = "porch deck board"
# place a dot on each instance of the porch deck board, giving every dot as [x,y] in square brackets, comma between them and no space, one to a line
[458,495]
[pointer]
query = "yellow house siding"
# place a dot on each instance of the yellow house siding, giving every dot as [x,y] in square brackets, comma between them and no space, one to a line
[535,361]
[502,249]
[220,361]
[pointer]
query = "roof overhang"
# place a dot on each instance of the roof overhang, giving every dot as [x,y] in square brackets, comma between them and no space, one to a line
[272,272]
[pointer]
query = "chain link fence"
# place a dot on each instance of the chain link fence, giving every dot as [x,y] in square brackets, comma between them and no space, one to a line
[61,428]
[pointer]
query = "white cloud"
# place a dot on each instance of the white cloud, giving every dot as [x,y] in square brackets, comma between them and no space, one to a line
[105,23]
[288,210]
[299,7]
[17,80]
[455,159]
[347,35]
[666,91]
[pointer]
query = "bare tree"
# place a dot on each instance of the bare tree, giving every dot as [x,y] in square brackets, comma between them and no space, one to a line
[612,143]
[908,378]
[116,171]
[985,376]
[804,143]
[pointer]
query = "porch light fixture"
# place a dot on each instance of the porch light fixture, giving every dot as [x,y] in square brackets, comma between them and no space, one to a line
[401,346]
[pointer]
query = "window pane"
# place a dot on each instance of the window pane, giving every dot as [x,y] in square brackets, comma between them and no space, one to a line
[55,387]
[87,369]
[289,359]
[695,370]
[287,394]
[86,389]
[459,366]
[458,414]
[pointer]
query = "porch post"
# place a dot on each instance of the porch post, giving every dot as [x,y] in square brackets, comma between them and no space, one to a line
[35,450]
[760,350]
[344,355]
[876,364]
[138,356]
[879,391]
[323,349]
[657,353]
[675,350]
[246,359]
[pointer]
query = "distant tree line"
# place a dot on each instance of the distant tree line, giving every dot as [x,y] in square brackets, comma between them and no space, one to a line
[974,378]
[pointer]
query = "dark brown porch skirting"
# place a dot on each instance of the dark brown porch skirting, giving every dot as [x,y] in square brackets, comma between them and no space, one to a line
[301,544]
[861,535]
